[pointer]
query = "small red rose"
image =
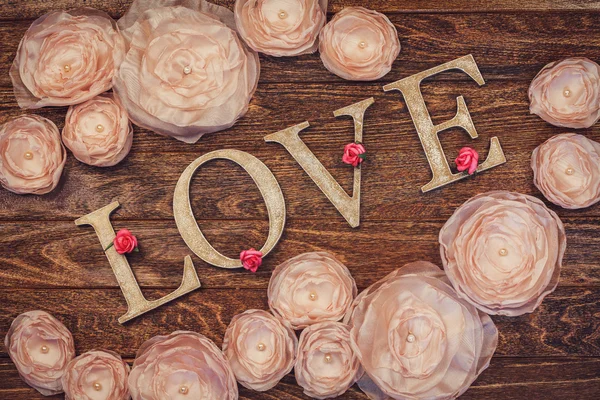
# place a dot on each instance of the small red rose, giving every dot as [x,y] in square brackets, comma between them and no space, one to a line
[251,259]
[124,242]
[467,159]
[354,154]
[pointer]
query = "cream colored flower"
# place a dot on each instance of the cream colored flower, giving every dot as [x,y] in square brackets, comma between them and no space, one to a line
[96,375]
[66,57]
[417,339]
[261,349]
[567,93]
[98,132]
[359,44]
[181,365]
[281,27]
[503,251]
[326,365]
[311,288]
[187,73]
[32,156]
[40,346]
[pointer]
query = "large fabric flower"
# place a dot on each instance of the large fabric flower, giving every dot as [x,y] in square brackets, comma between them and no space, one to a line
[181,365]
[567,93]
[311,288]
[326,365]
[566,169]
[503,251]
[40,346]
[66,57]
[261,349]
[359,44]
[417,339]
[187,73]
[281,28]
[32,157]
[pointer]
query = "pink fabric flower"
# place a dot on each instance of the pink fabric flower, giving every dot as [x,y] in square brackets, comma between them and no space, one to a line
[467,160]
[251,259]
[40,346]
[125,242]
[354,154]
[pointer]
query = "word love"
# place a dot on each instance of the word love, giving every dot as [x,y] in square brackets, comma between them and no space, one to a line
[348,206]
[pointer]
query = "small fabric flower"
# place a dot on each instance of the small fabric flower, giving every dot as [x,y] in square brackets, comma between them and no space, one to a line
[124,242]
[467,160]
[251,259]
[354,154]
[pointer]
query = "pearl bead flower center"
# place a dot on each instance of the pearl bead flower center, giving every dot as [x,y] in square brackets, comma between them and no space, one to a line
[97,386]
[261,347]
[362,44]
[567,92]
[410,338]
[328,358]
[569,171]
[67,68]
[503,252]
[187,70]
[184,390]
[283,14]
[28,155]
[99,128]
[313,296]
[45,349]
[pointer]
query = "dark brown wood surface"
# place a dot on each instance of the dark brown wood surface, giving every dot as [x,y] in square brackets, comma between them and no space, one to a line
[48,263]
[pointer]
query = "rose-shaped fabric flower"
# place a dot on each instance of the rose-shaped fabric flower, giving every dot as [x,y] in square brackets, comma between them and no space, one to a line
[503,251]
[467,160]
[417,339]
[40,346]
[567,93]
[251,259]
[187,73]
[261,349]
[359,44]
[32,157]
[281,28]
[311,288]
[96,375]
[326,365]
[566,169]
[354,154]
[181,365]
[124,242]
[98,132]
[66,57]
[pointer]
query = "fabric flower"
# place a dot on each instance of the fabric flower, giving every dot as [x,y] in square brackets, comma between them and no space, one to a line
[311,288]
[567,93]
[96,375]
[354,154]
[566,169]
[281,28]
[181,365]
[503,251]
[32,156]
[66,57]
[98,132]
[261,349]
[417,338]
[124,242]
[326,365]
[359,44]
[467,160]
[187,73]
[40,346]
[251,259]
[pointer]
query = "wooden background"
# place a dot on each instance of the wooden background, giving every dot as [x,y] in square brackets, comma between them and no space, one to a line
[48,263]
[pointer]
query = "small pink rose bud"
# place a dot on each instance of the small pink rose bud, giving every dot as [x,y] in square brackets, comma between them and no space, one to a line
[251,259]
[467,160]
[354,154]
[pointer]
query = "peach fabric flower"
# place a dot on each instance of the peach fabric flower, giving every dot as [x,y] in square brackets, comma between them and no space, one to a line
[503,251]
[359,44]
[98,132]
[281,28]
[567,93]
[416,338]
[95,375]
[326,365]
[66,57]
[261,349]
[566,169]
[467,160]
[311,288]
[181,365]
[32,157]
[187,73]
[40,346]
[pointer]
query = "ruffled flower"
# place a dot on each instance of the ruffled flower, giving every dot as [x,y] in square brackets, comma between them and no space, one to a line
[40,346]
[354,154]
[261,349]
[32,157]
[326,365]
[95,375]
[181,364]
[311,288]
[467,160]
[503,251]
[567,93]
[66,57]
[566,169]
[281,28]
[359,44]
[417,338]
[187,73]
